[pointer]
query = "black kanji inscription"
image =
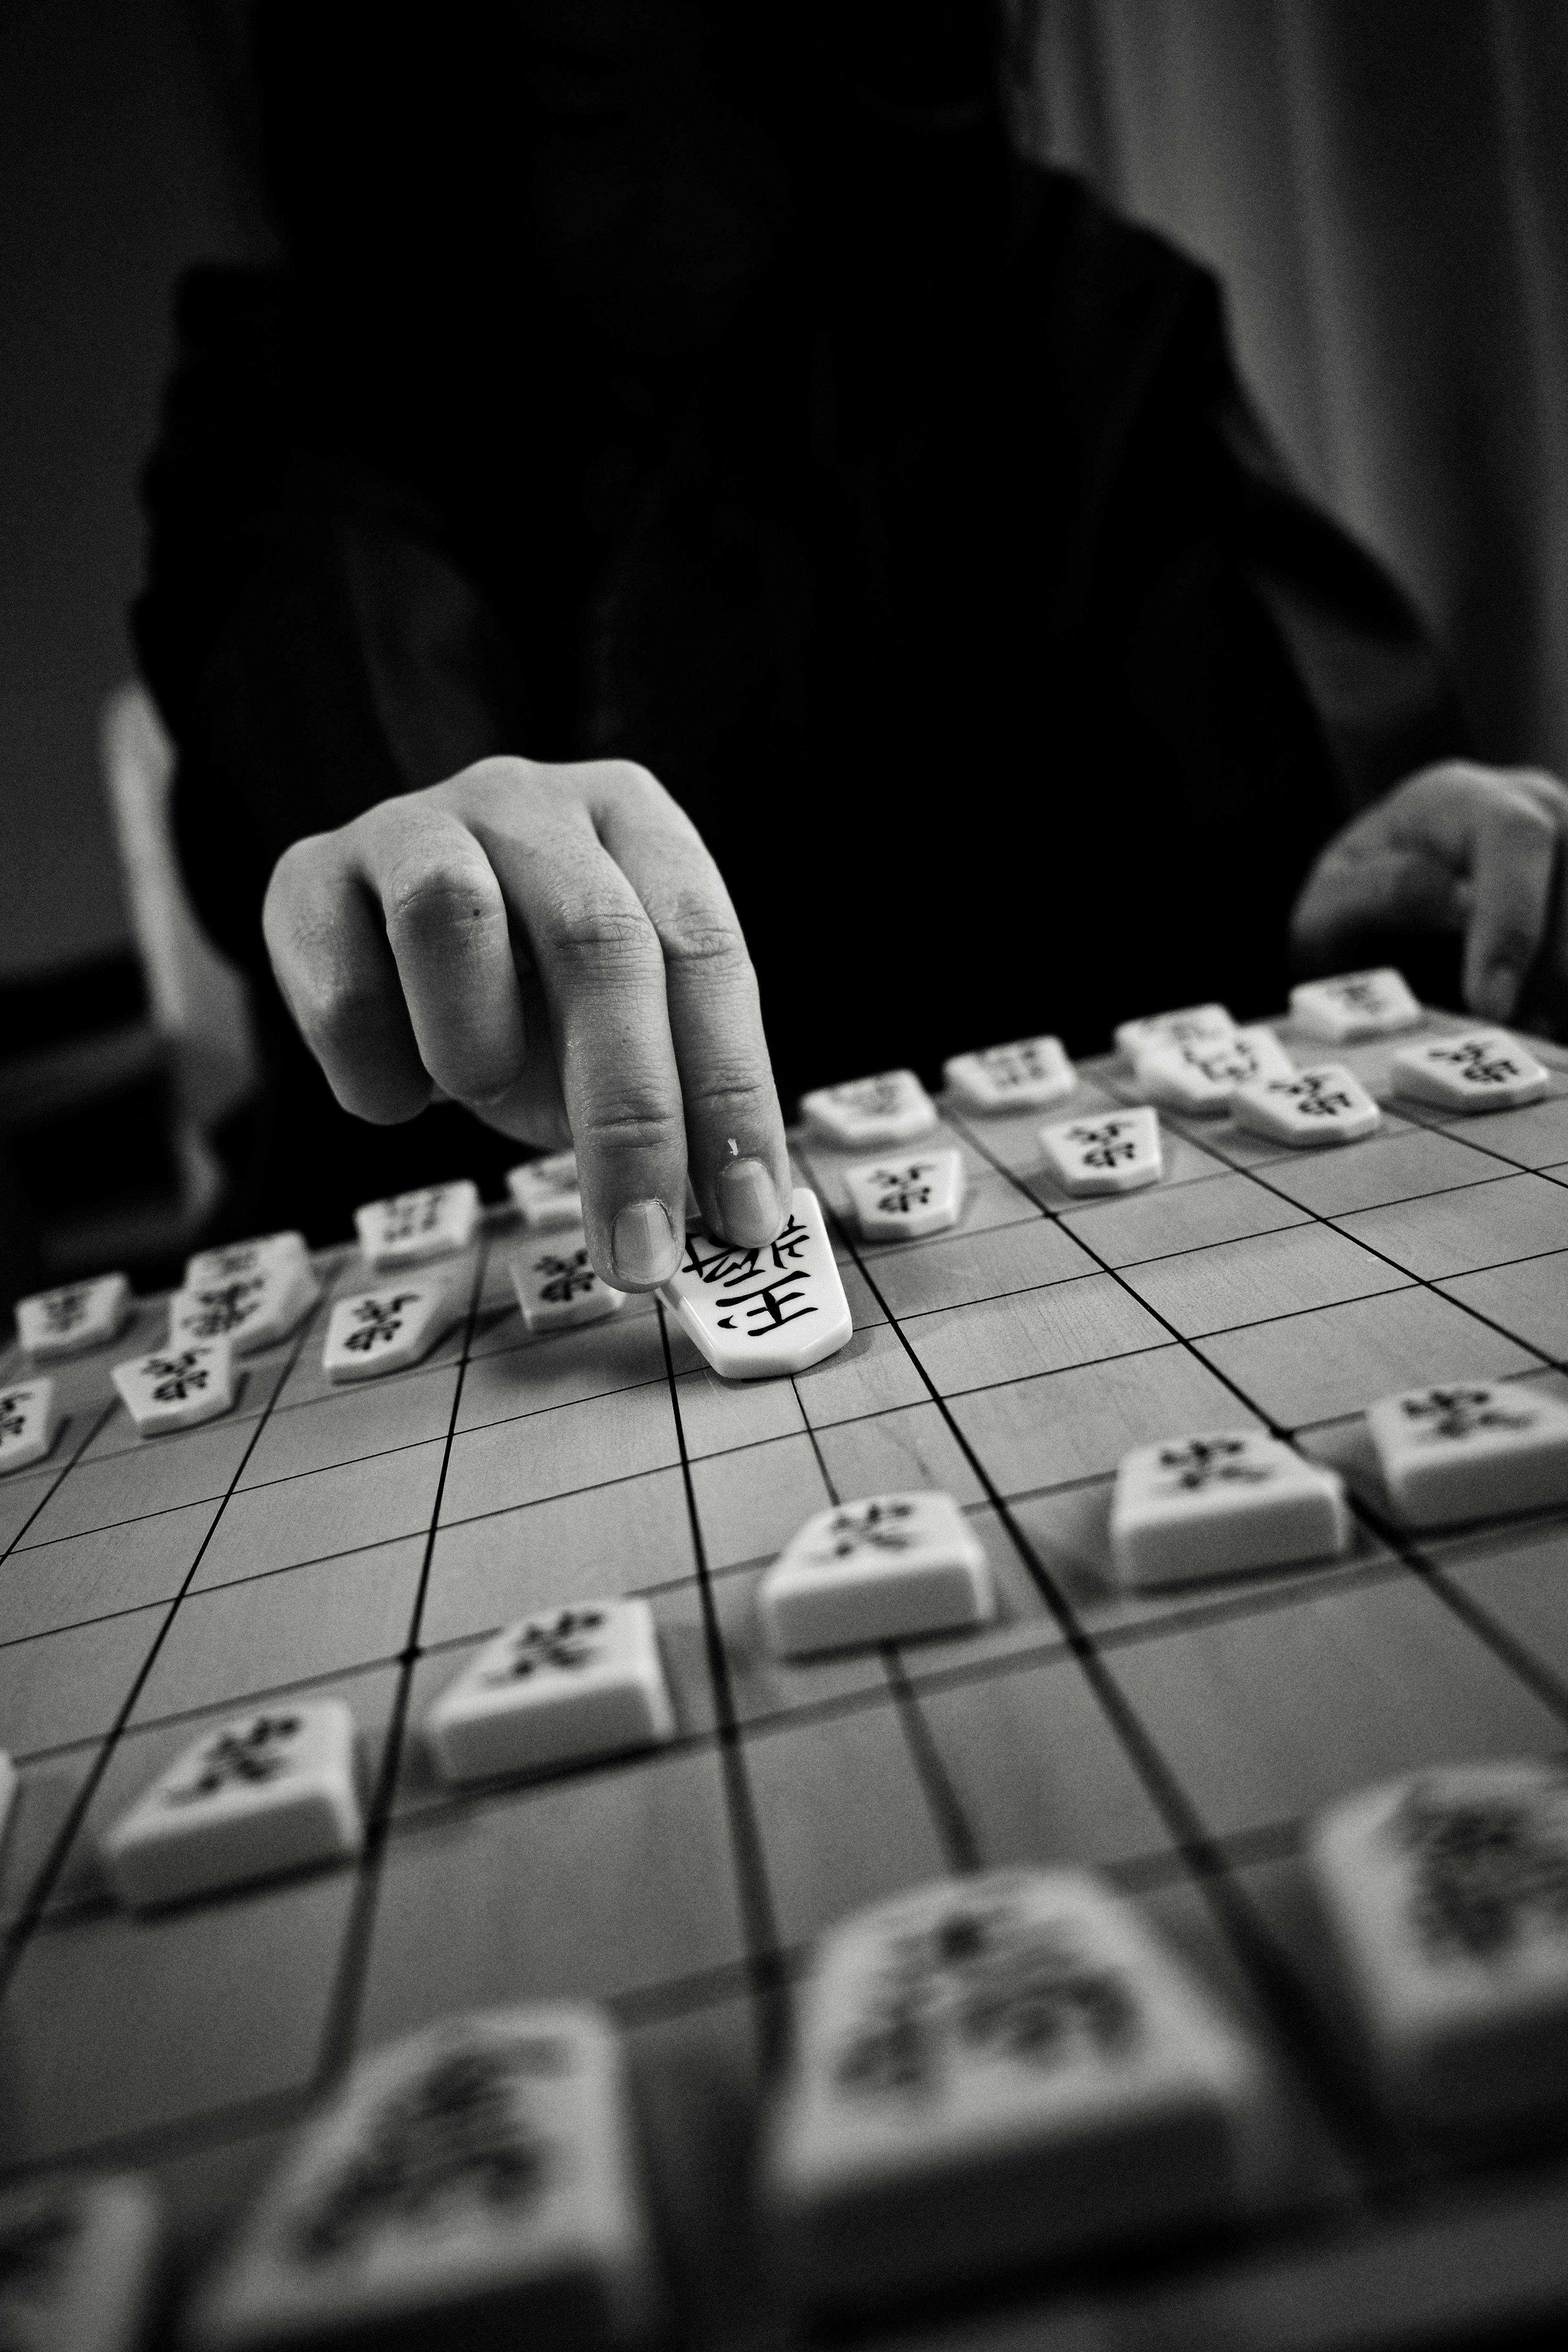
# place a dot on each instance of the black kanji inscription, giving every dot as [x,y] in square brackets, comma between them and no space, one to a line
[1201,1462]
[984,1982]
[568,1277]
[903,1189]
[1459,1413]
[237,1760]
[175,1378]
[1105,1146]
[562,1641]
[1483,1870]
[216,1312]
[775,1299]
[454,2137]
[379,1320]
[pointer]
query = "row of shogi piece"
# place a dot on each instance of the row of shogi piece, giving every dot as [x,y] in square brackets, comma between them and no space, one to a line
[985,2075]
[755,1312]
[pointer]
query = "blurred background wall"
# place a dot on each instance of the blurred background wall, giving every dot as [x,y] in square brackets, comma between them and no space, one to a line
[1382,185]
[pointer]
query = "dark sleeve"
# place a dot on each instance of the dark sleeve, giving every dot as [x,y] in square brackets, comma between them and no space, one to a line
[1176,448]
[309,629]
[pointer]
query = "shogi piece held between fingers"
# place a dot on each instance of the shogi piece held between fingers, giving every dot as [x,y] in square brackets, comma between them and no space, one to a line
[385,1330]
[412,1226]
[992,2072]
[1105,1151]
[76,1316]
[474,2184]
[1468,1449]
[893,1108]
[880,1569]
[1224,1500]
[175,1388]
[1029,1075]
[757,1313]
[547,1193]
[252,1294]
[270,1792]
[556,1283]
[1485,1069]
[1327,1104]
[902,1200]
[79,2263]
[1356,1004]
[1448,1895]
[1203,1075]
[1193,1025]
[580,1681]
[29,1423]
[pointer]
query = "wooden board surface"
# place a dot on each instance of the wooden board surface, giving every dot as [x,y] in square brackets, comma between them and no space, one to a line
[365,1543]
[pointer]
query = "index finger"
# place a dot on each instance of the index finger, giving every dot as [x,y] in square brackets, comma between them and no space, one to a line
[734,1128]
[1493,828]
[601,971]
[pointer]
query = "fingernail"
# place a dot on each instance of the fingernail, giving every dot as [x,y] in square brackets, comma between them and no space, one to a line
[748,1205]
[643,1243]
[1498,988]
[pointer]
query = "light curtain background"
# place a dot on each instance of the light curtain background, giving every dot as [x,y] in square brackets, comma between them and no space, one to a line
[1383,186]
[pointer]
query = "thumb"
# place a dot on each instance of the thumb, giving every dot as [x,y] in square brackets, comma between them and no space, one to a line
[1355,890]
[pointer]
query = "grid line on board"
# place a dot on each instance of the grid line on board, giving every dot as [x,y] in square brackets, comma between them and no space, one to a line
[1322,2075]
[342,2019]
[22,1928]
[748,1852]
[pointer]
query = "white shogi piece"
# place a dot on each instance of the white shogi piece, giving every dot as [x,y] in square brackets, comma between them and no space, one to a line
[253,1294]
[1467,1449]
[1223,1500]
[902,1200]
[1447,1894]
[580,1681]
[385,1330]
[1204,1074]
[175,1388]
[879,1570]
[473,2183]
[992,2071]
[893,1108]
[29,1423]
[78,1315]
[1105,1151]
[1029,1075]
[546,1191]
[265,1793]
[755,1312]
[556,1284]
[417,1225]
[1193,1025]
[79,2263]
[1326,1104]
[1484,1069]
[1355,1004]
[7,1792]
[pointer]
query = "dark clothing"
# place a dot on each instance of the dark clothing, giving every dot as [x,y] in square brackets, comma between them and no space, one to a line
[937,566]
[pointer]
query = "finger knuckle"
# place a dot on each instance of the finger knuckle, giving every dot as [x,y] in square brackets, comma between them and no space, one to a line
[635,1122]
[602,934]
[1524,827]
[440,890]
[629,780]
[335,1013]
[693,931]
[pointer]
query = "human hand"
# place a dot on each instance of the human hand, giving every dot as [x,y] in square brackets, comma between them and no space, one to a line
[1462,848]
[554,948]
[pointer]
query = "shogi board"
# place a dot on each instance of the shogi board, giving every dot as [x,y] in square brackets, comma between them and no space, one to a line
[365,1541]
